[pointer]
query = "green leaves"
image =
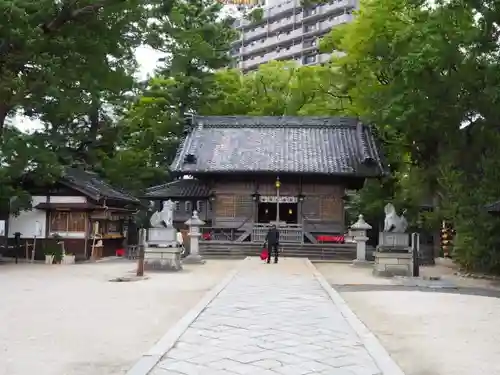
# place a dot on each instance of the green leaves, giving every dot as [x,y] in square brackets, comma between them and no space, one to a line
[276,89]
[417,72]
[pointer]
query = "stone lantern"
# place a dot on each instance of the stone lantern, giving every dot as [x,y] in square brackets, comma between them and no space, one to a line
[194,234]
[358,231]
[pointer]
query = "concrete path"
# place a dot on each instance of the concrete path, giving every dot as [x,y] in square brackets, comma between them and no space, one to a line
[275,320]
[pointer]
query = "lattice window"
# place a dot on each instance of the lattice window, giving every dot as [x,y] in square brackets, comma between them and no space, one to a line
[188,206]
[76,222]
[177,205]
[311,207]
[329,209]
[243,205]
[225,206]
[199,206]
[65,221]
[59,221]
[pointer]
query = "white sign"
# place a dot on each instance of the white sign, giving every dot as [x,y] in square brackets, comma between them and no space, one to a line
[38,229]
[274,199]
[2,227]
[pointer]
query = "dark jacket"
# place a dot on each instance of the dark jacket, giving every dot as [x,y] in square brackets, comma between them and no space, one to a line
[273,237]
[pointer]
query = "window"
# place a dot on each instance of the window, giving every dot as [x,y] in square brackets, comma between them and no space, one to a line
[113,227]
[66,221]
[76,222]
[199,206]
[310,43]
[309,28]
[59,221]
[177,206]
[309,12]
[188,206]
[310,59]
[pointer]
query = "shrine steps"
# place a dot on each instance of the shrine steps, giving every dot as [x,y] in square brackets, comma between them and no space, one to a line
[240,250]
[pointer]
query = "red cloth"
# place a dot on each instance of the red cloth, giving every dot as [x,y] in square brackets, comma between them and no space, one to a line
[263,254]
[120,252]
[335,239]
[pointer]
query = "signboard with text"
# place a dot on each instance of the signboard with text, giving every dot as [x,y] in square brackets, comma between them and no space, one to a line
[274,199]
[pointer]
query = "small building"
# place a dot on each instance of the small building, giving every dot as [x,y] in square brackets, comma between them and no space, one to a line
[189,194]
[260,171]
[72,209]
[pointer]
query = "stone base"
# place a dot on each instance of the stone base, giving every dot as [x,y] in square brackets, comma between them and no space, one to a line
[361,263]
[193,259]
[162,259]
[393,249]
[389,264]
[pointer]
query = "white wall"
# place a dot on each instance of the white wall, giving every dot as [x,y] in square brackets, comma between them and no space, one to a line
[25,222]
[68,199]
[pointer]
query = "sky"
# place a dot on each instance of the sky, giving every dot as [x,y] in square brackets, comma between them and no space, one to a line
[147,59]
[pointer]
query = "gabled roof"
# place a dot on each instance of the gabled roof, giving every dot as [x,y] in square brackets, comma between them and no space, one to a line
[184,188]
[90,184]
[301,145]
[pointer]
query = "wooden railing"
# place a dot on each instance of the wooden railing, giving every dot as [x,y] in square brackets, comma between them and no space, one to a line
[289,233]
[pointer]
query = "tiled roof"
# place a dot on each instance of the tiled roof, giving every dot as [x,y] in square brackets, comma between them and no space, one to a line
[93,186]
[184,188]
[319,145]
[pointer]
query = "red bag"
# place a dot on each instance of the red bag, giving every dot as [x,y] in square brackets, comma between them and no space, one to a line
[263,254]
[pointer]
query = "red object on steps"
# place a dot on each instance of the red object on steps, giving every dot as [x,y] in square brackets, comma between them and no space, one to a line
[263,254]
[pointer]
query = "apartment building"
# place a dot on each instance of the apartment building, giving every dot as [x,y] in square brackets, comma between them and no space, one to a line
[288,32]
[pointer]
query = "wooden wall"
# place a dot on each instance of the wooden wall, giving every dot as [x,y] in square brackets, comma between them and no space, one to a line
[321,211]
[233,206]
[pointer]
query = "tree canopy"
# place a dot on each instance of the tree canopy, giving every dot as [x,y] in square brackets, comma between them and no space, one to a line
[426,76]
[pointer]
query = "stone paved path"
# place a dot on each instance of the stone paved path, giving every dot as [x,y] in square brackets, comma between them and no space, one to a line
[270,320]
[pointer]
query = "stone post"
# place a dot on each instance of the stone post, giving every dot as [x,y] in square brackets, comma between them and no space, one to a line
[358,230]
[194,234]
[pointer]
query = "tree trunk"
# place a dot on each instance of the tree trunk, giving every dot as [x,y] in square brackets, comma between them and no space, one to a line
[4,111]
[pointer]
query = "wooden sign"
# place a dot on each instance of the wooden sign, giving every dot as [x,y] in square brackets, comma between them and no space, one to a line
[274,199]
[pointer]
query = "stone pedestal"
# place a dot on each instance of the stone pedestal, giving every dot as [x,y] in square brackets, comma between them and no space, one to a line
[194,234]
[393,256]
[162,251]
[391,240]
[358,233]
[162,258]
[388,264]
[164,237]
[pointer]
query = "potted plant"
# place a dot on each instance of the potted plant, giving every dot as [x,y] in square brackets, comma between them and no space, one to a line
[49,255]
[58,250]
[69,259]
[58,254]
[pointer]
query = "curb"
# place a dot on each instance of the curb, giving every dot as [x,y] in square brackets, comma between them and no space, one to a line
[149,360]
[381,357]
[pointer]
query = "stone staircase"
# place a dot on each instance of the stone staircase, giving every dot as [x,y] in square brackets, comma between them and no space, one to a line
[232,250]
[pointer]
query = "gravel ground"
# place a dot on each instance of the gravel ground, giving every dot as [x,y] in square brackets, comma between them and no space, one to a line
[70,320]
[427,331]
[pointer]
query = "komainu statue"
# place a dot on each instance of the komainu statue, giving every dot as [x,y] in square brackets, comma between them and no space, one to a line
[393,222]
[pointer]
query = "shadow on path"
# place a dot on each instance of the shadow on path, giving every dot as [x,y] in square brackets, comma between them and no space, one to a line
[413,288]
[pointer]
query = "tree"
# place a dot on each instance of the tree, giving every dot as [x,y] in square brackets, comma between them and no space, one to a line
[56,51]
[419,73]
[275,89]
[196,40]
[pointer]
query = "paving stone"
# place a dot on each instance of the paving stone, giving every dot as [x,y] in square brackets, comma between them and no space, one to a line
[269,323]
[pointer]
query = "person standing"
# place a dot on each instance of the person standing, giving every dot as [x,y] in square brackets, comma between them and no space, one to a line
[272,240]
